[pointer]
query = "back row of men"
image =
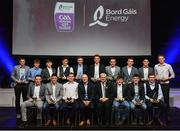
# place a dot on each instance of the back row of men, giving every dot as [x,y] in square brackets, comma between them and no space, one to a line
[22,75]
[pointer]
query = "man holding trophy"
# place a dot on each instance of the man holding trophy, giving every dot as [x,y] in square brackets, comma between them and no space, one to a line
[53,94]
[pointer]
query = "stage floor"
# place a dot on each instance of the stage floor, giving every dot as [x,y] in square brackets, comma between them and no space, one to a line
[8,121]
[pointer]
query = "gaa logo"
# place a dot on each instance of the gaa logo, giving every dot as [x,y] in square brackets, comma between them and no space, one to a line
[65,17]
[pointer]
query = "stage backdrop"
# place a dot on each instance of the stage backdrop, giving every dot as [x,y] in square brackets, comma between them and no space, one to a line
[81,27]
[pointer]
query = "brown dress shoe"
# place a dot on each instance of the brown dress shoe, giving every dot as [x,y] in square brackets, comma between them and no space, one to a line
[81,123]
[54,123]
[47,123]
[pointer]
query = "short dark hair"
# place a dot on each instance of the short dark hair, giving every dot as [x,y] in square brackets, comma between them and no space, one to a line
[54,74]
[64,58]
[161,55]
[38,76]
[151,74]
[112,58]
[97,55]
[80,57]
[136,75]
[22,58]
[71,74]
[48,60]
[130,58]
[120,77]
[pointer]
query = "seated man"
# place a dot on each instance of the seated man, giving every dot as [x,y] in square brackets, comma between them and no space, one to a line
[36,97]
[86,96]
[53,98]
[104,96]
[70,98]
[154,96]
[137,99]
[120,101]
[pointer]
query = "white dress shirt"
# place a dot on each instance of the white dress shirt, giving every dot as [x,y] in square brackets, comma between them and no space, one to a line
[70,90]
[50,71]
[129,70]
[113,70]
[146,72]
[164,71]
[36,91]
[119,92]
[96,71]
[54,91]
[103,88]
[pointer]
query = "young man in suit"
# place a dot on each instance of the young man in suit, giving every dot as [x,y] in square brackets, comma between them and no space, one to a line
[36,97]
[86,97]
[145,70]
[64,70]
[104,97]
[47,72]
[96,69]
[80,69]
[53,92]
[128,71]
[120,95]
[20,82]
[154,97]
[70,98]
[113,70]
[136,96]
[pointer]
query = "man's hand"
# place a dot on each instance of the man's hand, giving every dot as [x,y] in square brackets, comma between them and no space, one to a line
[30,99]
[67,101]
[38,99]
[19,82]
[151,100]
[72,100]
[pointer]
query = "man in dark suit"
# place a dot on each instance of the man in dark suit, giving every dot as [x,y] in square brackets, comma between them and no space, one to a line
[96,69]
[79,69]
[53,93]
[104,96]
[47,72]
[86,97]
[145,70]
[128,71]
[36,97]
[136,96]
[20,83]
[120,96]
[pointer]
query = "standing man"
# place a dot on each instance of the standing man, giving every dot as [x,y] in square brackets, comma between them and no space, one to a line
[20,83]
[34,71]
[36,97]
[86,97]
[145,70]
[96,69]
[164,73]
[80,69]
[104,97]
[128,71]
[64,70]
[47,72]
[112,70]
[53,94]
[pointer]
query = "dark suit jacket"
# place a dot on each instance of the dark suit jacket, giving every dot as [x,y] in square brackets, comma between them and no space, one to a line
[131,91]
[92,68]
[141,71]
[45,75]
[90,91]
[85,69]
[127,77]
[109,91]
[124,90]
[41,92]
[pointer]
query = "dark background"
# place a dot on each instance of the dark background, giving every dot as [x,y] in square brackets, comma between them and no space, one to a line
[165,23]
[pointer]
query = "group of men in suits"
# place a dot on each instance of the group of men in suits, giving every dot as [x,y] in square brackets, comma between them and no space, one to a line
[97,90]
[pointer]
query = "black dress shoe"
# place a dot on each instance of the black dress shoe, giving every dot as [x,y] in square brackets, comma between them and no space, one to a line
[23,124]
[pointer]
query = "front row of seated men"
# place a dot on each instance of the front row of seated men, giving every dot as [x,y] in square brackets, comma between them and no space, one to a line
[99,99]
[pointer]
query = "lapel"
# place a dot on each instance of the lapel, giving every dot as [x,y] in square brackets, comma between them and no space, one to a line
[142,70]
[126,71]
[109,69]
[47,72]
[18,72]
[116,70]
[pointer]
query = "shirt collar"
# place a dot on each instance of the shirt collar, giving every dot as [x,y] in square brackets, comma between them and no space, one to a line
[162,64]
[65,66]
